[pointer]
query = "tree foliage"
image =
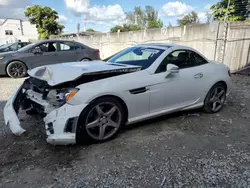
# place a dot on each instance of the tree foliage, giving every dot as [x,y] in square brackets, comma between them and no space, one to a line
[45,20]
[90,30]
[209,17]
[237,10]
[152,18]
[140,19]
[191,18]
[125,28]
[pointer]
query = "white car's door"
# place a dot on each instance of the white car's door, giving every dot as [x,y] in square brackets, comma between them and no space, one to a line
[178,90]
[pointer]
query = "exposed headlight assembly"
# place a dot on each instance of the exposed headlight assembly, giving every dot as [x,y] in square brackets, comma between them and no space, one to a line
[69,94]
[60,97]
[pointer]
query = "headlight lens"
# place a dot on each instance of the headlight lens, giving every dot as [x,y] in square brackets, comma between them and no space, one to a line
[70,95]
[66,94]
[1,58]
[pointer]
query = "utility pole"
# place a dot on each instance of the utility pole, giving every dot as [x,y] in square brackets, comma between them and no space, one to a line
[78,28]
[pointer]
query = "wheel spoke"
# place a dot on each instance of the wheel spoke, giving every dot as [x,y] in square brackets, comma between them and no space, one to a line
[101,131]
[215,91]
[111,112]
[111,123]
[214,106]
[212,99]
[221,93]
[99,110]
[93,124]
[220,102]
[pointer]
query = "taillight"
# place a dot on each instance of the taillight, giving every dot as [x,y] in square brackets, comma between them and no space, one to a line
[229,73]
[97,52]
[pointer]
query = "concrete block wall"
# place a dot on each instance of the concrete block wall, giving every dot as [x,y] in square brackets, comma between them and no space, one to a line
[206,38]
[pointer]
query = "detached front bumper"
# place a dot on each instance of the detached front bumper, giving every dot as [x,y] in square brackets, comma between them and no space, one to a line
[10,113]
[60,122]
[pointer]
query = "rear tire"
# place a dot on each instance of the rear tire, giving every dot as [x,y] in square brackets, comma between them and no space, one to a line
[16,69]
[215,99]
[100,121]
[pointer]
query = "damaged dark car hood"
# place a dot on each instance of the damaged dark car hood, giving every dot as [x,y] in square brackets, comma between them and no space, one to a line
[65,72]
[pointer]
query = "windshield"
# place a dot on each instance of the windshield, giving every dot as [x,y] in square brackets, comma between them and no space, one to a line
[25,48]
[141,56]
[5,46]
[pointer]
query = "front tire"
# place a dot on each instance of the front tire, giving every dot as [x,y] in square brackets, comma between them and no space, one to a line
[100,121]
[215,99]
[16,69]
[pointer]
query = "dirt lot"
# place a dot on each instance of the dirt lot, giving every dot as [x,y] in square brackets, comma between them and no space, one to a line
[189,149]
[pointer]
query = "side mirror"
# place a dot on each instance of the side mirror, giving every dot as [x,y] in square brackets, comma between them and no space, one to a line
[37,50]
[172,68]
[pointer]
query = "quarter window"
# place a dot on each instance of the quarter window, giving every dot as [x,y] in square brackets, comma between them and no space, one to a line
[183,59]
[68,46]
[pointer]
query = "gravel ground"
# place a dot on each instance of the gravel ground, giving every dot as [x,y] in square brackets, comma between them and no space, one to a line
[188,149]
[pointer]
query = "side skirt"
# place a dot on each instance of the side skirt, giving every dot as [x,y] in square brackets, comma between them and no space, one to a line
[164,112]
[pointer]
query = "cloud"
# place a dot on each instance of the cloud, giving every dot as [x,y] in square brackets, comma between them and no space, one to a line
[62,19]
[13,8]
[176,9]
[77,7]
[202,16]
[106,15]
[207,7]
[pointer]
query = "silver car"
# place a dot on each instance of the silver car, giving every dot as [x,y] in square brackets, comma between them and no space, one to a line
[16,64]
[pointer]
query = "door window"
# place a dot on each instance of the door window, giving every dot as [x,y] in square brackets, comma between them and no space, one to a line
[182,59]
[196,59]
[68,46]
[48,47]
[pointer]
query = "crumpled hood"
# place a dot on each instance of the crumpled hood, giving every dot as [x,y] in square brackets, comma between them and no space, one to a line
[60,73]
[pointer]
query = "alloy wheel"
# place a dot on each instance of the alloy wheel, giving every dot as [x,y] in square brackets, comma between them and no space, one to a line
[103,121]
[217,98]
[17,70]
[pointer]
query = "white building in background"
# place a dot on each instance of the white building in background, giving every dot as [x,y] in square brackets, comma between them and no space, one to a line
[13,30]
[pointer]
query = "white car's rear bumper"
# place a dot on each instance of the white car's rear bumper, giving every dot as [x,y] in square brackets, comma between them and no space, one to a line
[60,123]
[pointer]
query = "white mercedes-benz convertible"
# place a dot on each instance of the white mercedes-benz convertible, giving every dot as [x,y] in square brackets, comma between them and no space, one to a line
[91,101]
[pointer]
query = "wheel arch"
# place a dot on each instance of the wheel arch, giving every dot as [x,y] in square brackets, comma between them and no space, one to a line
[212,85]
[221,82]
[123,103]
[85,58]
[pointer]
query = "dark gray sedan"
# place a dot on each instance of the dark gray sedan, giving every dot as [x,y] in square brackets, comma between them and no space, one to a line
[16,64]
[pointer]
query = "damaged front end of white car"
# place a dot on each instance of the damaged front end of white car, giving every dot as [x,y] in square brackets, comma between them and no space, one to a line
[48,91]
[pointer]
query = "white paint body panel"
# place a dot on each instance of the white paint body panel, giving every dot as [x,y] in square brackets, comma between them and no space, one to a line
[165,92]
